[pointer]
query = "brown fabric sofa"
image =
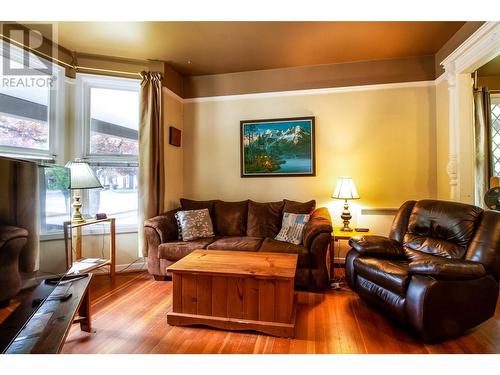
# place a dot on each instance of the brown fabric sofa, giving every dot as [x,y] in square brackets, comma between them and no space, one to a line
[438,270]
[245,226]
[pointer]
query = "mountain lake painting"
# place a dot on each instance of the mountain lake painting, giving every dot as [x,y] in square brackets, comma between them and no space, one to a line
[280,147]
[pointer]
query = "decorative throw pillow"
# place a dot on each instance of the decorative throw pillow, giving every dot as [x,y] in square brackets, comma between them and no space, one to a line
[195,224]
[292,228]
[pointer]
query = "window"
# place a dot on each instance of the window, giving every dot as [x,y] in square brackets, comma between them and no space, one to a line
[54,198]
[495,135]
[28,106]
[110,144]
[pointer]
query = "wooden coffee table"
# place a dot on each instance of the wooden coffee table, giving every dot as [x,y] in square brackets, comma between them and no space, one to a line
[235,290]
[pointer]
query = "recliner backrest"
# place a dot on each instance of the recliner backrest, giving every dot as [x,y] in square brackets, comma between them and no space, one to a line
[450,229]
[485,245]
[442,228]
[436,227]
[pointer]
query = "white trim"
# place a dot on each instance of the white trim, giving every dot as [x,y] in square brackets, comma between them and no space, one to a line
[439,79]
[85,82]
[482,46]
[479,48]
[330,90]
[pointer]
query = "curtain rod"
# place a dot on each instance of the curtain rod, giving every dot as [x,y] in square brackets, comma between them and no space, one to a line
[36,52]
[106,70]
[72,66]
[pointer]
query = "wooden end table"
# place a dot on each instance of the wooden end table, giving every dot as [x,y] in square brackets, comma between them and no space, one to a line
[79,263]
[339,235]
[235,290]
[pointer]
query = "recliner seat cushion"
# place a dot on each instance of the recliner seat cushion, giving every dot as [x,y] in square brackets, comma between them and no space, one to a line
[274,246]
[240,243]
[434,246]
[264,219]
[176,250]
[231,218]
[388,273]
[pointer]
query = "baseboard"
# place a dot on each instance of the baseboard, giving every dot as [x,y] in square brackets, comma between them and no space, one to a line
[338,260]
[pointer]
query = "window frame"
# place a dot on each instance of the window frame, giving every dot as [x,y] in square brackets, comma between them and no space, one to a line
[494,99]
[55,109]
[84,84]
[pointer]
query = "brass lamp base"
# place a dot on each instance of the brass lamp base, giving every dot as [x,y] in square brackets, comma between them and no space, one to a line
[77,217]
[346,216]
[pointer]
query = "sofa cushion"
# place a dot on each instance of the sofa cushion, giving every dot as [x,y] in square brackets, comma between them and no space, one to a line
[273,246]
[176,250]
[236,243]
[264,219]
[231,218]
[189,204]
[388,273]
[299,207]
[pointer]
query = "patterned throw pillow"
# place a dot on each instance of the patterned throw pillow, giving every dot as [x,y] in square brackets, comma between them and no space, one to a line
[195,224]
[292,228]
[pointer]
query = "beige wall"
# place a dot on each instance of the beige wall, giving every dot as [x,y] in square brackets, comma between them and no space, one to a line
[383,138]
[492,82]
[442,139]
[173,116]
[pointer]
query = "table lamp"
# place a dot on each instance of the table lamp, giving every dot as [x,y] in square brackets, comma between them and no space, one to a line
[346,190]
[82,177]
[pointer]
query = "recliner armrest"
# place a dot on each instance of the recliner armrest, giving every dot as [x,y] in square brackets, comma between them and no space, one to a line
[449,269]
[377,246]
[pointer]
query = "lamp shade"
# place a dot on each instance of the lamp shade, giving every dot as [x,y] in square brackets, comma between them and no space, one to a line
[82,176]
[345,189]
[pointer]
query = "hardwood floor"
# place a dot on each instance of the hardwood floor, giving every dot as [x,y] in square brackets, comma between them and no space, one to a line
[129,316]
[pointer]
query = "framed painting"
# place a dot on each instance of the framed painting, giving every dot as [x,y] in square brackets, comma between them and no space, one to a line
[278,147]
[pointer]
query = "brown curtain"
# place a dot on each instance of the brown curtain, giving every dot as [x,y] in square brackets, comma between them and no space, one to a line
[28,214]
[151,152]
[482,107]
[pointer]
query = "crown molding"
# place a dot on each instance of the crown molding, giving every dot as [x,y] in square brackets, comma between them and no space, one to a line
[332,90]
[485,42]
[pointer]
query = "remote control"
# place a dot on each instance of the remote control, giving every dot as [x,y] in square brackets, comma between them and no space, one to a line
[361,229]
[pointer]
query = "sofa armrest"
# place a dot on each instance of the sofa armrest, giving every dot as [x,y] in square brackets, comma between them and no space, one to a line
[448,269]
[319,222]
[165,225]
[377,246]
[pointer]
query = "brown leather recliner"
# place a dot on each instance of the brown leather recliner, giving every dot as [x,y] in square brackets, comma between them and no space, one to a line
[438,270]
[12,241]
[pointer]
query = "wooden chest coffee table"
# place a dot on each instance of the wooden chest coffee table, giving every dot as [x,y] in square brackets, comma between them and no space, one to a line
[235,290]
